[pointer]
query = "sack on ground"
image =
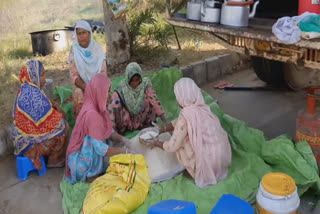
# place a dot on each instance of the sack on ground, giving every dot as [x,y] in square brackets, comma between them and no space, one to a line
[122,189]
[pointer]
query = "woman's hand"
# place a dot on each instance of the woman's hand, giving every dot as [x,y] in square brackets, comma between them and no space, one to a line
[164,129]
[80,83]
[154,143]
[120,150]
[117,138]
[57,107]
[164,119]
[115,151]
[132,151]
[158,144]
[126,142]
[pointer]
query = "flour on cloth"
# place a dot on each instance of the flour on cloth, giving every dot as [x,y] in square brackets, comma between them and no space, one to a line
[161,165]
[148,135]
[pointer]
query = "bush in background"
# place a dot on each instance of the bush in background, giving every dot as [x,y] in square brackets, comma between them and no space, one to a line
[147,29]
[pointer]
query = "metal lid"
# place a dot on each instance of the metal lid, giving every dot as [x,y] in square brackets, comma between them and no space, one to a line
[278,183]
[44,31]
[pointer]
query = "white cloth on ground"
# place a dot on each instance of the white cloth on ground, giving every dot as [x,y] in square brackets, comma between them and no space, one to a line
[161,165]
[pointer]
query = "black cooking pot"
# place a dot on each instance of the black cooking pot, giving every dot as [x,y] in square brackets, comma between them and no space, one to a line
[49,41]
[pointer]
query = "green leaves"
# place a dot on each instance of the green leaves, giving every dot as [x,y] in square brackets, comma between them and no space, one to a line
[147,29]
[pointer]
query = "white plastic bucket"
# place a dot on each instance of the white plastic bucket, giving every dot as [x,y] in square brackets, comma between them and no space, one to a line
[268,203]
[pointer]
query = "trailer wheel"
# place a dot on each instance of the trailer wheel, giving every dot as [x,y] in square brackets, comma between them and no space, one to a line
[299,77]
[269,71]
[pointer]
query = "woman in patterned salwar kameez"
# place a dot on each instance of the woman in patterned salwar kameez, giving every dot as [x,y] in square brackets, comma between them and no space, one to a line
[134,104]
[89,150]
[39,127]
[199,141]
[86,59]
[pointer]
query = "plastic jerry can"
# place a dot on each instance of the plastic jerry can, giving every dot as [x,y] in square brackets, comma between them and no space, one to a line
[311,6]
[308,124]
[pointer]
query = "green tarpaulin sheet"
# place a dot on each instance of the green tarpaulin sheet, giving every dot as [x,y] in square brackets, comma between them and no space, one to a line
[253,156]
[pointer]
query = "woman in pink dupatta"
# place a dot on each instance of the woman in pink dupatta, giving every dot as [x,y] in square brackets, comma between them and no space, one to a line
[88,150]
[198,139]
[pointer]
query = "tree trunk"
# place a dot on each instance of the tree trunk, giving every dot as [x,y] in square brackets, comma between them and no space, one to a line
[116,31]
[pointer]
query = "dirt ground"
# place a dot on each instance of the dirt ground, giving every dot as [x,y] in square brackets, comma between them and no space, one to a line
[56,66]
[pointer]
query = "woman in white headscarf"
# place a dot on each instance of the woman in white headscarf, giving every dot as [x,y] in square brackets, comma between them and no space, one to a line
[198,139]
[86,59]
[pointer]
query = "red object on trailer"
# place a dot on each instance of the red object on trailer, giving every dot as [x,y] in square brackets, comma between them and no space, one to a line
[312,6]
[308,123]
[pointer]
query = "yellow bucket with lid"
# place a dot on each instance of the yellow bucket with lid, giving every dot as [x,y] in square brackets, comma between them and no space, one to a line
[277,194]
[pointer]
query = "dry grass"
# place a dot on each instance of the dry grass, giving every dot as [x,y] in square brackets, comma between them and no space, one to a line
[18,18]
[21,16]
[190,50]
[15,43]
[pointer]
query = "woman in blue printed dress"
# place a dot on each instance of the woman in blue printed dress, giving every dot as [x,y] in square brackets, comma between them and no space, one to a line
[88,151]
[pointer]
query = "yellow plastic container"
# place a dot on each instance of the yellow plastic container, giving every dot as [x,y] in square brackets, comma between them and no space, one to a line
[277,194]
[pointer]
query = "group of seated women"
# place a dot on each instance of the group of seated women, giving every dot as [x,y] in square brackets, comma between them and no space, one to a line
[40,127]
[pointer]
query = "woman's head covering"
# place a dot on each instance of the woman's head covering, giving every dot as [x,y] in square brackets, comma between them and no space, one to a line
[133,98]
[31,73]
[93,119]
[188,93]
[88,60]
[132,69]
[34,119]
[204,141]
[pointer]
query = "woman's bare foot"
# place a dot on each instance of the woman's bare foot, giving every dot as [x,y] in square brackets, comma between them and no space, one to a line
[57,165]
[187,174]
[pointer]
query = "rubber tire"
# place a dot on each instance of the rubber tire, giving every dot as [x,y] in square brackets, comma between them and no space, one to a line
[269,71]
[299,77]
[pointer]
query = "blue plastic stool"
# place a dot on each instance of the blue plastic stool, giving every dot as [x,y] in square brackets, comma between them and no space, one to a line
[230,204]
[25,165]
[173,207]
